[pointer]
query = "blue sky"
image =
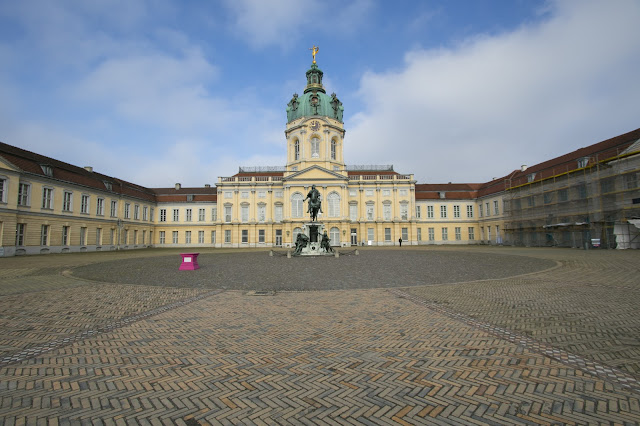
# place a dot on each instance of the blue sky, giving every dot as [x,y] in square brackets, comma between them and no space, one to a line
[159,92]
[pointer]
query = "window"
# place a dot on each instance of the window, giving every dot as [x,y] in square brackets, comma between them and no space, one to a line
[47,169]
[386,211]
[333,149]
[315,147]
[214,214]
[135,236]
[353,212]
[481,211]
[100,206]
[581,191]
[67,198]
[404,211]
[404,192]
[370,234]
[114,208]
[113,236]
[47,198]
[419,234]
[175,237]
[244,194]
[296,205]
[488,211]
[176,215]
[279,212]
[563,194]
[244,213]
[262,194]
[279,194]
[353,192]
[582,162]
[471,234]
[405,234]
[108,185]
[458,232]
[368,192]
[432,234]
[418,212]
[163,215]
[200,237]
[245,235]
[24,190]
[65,235]
[227,236]
[296,149]
[127,210]
[200,215]
[430,212]
[445,234]
[228,194]
[456,211]
[144,236]
[531,177]
[334,204]
[213,237]
[370,209]
[83,236]
[125,237]
[262,212]
[488,233]
[98,236]
[190,198]
[162,237]
[44,235]
[296,231]
[3,190]
[548,197]
[386,192]
[631,180]
[334,236]
[443,212]
[261,235]
[607,185]
[20,231]
[469,211]
[188,215]
[145,213]
[531,200]
[136,212]
[187,237]
[227,214]
[84,204]
[496,208]
[387,234]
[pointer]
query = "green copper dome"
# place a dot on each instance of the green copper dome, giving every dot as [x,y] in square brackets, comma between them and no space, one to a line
[314,101]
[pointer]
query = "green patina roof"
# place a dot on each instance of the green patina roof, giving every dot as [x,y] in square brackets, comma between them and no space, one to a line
[314,101]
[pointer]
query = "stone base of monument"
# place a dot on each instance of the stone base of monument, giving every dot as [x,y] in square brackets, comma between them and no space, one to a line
[313,231]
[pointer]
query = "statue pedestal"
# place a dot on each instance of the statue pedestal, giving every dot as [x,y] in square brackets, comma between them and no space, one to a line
[314,231]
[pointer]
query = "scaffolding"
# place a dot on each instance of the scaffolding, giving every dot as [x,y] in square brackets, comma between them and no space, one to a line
[593,206]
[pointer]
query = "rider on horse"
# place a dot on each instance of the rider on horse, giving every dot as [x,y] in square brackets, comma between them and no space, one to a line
[314,202]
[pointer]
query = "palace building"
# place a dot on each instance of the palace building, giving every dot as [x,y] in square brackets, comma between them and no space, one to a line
[587,198]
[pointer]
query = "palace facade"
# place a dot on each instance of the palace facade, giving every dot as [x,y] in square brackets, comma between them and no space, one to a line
[587,198]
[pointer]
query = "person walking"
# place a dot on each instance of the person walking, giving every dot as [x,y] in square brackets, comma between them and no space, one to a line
[400,241]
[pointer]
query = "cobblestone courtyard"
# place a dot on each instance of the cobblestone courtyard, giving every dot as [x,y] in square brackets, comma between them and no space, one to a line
[433,335]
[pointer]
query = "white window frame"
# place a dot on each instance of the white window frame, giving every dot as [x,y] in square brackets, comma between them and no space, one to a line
[47,198]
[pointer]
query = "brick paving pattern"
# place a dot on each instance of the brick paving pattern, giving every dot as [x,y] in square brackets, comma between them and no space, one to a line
[430,354]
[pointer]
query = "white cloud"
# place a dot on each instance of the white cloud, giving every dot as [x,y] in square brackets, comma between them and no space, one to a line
[492,103]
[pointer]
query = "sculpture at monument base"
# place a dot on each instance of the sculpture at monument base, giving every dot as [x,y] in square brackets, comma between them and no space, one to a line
[313,241]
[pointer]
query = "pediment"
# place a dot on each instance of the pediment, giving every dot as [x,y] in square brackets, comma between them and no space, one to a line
[315,173]
[7,165]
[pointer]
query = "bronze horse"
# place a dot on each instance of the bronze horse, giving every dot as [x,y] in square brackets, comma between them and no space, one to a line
[315,205]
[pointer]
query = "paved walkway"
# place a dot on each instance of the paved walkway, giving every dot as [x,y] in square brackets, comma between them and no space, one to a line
[558,346]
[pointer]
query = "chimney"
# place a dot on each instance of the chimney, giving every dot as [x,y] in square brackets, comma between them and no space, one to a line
[206,185]
[523,167]
[178,186]
[89,169]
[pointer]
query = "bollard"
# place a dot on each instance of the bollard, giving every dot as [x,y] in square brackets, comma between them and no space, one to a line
[336,254]
[288,254]
[271,253]
[357,252]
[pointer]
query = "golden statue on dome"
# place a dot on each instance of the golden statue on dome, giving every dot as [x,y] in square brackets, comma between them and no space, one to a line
[314,50]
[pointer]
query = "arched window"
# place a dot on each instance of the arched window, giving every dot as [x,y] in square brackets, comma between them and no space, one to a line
[333,149]
[296,150]
[334,234]
[315,147]
[296,205]
[296,231]
[333,200]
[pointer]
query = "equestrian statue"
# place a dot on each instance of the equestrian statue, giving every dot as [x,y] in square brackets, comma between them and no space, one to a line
[315,205]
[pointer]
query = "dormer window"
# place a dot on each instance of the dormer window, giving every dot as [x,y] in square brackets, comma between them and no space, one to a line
[108,185]
[531,177]
[442,194]
[189,198]
[47,169]
[582,162]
